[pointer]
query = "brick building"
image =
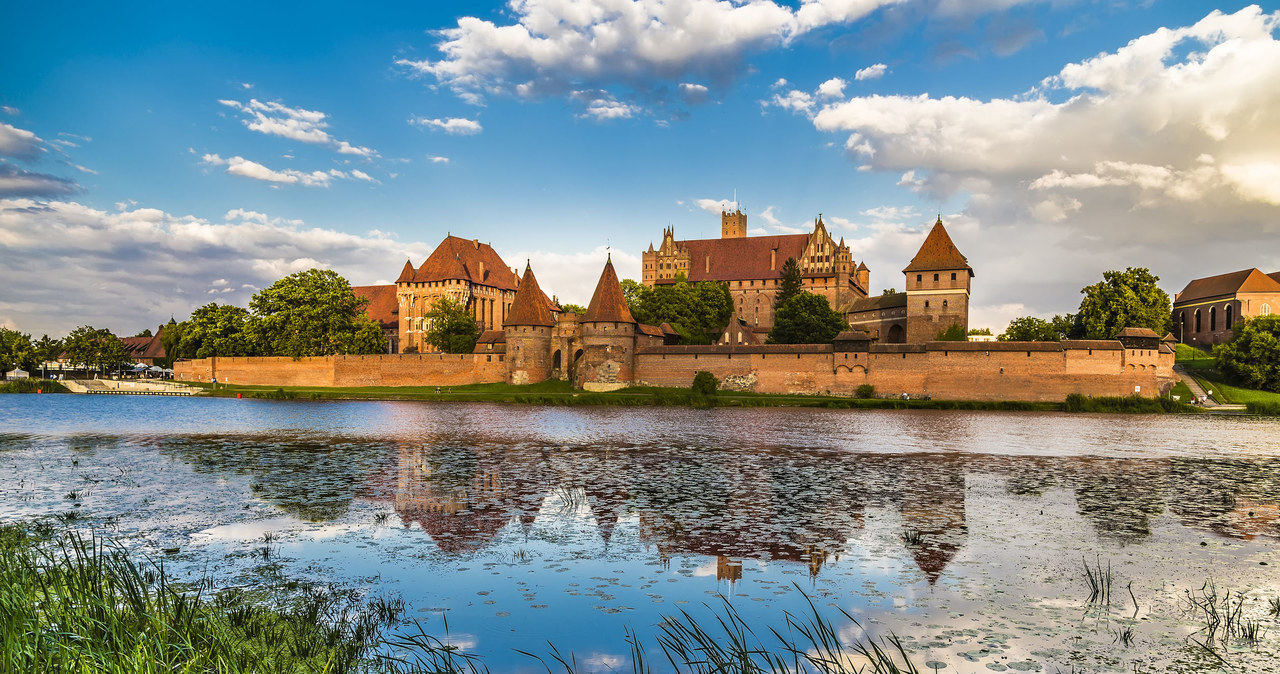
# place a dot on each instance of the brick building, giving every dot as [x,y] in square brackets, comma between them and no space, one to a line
[383,308]
[1207,310]
[752,266]
[466,271]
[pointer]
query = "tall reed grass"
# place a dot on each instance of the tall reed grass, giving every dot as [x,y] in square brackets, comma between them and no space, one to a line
[70,603]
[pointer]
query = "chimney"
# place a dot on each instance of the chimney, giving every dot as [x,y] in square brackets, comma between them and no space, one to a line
[773,259]
[481,270]
[708,267]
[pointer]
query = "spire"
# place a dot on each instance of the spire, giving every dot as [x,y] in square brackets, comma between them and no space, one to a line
[938,253]
[529,306]
[406,274]
[608,304]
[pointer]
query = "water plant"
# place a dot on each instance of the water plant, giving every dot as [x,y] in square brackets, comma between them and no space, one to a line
[1099,582]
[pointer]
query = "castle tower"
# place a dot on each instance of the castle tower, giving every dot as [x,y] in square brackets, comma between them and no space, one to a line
[528,328]
[937,282]
[862,278]
[733,225]
[608,338]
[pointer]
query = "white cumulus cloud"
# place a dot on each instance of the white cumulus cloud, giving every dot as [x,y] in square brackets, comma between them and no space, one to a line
[452,125]
[305,126]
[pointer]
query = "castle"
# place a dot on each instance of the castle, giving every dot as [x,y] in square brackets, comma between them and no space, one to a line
[752,266]
[529,339]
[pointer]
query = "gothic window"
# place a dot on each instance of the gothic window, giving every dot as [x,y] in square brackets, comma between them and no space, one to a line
[1266,310]
[1198,320]
[1228,312]
[1213,318]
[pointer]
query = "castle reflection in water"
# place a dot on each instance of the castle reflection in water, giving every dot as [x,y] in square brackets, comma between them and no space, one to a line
[801,507]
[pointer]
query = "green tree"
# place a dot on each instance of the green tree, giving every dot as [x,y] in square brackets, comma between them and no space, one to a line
[213,330]
[1253,355]
[806,319]
[95,349]
[42,350]
[791,284]
[312,313]
[889,291]
[146,332]
[955,333]
[705,383]
[980,331]
[1068,326]
[1029,329]
[452,328]
[15,350]
[634,292]
[575,308]
[698,311]
[1128,298]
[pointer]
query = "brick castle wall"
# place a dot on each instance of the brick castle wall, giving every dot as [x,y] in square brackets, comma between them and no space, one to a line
[1036,372]
[1031,371]
[429,369]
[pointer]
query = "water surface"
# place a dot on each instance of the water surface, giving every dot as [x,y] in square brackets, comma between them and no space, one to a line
[964,533]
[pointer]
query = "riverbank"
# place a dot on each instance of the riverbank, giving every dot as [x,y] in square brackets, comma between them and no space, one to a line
[561,393]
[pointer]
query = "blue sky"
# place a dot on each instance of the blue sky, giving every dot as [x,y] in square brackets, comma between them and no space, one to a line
[156,157]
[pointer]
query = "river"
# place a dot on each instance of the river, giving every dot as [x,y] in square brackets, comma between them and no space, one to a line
[964,534]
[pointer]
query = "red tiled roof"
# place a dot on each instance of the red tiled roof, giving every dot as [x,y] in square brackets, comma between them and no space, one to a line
[938,252]
[651,330]
[383,306]
[1222,285]
[1138,332]
[492,337]
[468,260]
[145,347]
[742,258]
[878,303]
[1275,275]
[608,303]
[406,274]
[531,306]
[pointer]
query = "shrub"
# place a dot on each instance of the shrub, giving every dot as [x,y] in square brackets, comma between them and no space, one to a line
[30,386]
[1263,408]
[864,391]
[705,383]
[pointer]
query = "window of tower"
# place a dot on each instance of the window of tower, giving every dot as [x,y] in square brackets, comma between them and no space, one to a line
[935,278]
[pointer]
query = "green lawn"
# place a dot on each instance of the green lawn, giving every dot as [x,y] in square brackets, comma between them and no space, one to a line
[1204,367]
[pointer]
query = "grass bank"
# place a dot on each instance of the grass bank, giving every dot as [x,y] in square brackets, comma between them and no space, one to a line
[562,393]
[75,604]
[1204,367]
[32,386]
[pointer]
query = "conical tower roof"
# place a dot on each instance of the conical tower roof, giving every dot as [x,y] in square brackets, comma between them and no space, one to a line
[529,306]
[406,274]
[608,303]
[938,252]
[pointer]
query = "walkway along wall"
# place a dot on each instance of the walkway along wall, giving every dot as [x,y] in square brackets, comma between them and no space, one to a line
[1031,371]
[428,369]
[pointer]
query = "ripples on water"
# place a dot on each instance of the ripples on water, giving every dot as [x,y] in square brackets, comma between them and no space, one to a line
[963,533]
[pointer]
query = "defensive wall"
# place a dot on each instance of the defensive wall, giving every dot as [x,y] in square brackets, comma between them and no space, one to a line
[1030,371]
[427,369]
